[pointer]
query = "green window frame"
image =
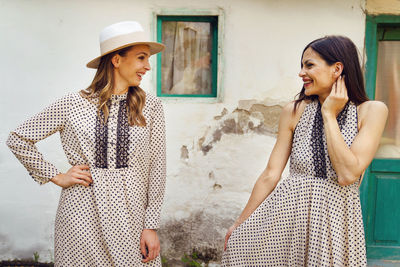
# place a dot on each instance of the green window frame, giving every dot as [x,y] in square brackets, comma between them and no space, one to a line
[378,28]
[374,33]
[213,20]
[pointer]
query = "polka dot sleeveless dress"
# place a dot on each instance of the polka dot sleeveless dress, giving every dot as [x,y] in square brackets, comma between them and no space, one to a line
[308,219]
[100,225]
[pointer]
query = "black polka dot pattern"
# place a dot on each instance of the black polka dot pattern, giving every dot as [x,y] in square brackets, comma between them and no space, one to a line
[100,225]
[306,220]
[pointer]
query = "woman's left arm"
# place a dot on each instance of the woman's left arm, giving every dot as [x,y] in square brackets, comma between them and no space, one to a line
[350,162]
[157,175]
[149,243]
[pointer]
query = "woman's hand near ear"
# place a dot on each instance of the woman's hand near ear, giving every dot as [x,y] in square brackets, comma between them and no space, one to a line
[337,99]
[349,163]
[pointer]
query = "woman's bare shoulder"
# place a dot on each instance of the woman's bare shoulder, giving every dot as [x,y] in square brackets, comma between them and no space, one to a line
[293,112]
[290,107]
[372,106]
[372,110]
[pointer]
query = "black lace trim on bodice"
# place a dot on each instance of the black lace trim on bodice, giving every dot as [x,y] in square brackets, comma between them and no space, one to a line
[122,136]
[101,133]
[122,145]
[317,140]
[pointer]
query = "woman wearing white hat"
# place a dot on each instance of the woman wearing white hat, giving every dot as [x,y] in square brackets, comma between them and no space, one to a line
[113,135]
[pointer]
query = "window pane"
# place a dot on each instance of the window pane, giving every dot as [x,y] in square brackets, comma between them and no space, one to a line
[388,91]
[186,61]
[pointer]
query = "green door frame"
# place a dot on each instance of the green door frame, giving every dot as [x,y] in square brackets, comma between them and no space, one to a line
[385,166]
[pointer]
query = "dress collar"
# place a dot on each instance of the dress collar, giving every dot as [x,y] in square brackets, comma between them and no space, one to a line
[117,98]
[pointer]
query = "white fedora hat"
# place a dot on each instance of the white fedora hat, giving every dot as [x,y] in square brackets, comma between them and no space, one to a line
[121,35]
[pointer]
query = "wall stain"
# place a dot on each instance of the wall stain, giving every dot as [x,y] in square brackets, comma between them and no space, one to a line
[201,233]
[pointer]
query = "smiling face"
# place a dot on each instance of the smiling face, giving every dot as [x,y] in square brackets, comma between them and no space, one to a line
[318,77]
[130,67]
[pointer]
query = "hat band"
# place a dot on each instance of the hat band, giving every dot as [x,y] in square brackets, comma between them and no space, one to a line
[120,41]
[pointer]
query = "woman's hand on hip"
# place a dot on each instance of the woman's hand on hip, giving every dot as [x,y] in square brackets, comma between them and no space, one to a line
[149,245]
[228,234]
[337,99]
[78,174]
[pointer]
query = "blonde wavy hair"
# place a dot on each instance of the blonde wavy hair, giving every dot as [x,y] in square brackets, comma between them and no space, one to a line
[102,88]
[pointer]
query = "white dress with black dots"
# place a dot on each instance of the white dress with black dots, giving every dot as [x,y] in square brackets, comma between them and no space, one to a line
[308,219]
[100,225]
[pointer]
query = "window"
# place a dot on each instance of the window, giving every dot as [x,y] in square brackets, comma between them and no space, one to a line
[189,64]
[388,88]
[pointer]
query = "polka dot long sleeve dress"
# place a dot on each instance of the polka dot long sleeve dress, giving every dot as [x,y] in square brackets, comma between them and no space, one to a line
[100,225]
[308,219]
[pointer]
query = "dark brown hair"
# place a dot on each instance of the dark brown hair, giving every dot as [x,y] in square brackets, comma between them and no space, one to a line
[334,49]
[102,87]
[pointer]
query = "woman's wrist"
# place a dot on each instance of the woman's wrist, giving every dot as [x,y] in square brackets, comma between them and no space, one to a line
[237,222]
[154,230]
[328,115]
[56,179]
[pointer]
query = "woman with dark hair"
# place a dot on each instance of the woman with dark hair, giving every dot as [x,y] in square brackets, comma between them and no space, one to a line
[331,133]
[113,135]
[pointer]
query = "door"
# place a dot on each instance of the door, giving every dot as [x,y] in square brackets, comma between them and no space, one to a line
[380,190]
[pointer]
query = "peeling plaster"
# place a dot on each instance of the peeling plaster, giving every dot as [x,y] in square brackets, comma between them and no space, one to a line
[206,192]
[223,113]
[184,152]
[261,117]
[211,175]
[215,178]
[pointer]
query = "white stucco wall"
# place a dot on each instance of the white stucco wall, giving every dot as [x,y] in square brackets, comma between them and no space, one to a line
[45,45]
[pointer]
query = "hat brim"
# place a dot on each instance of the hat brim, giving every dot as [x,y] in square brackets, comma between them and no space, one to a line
[154,49]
